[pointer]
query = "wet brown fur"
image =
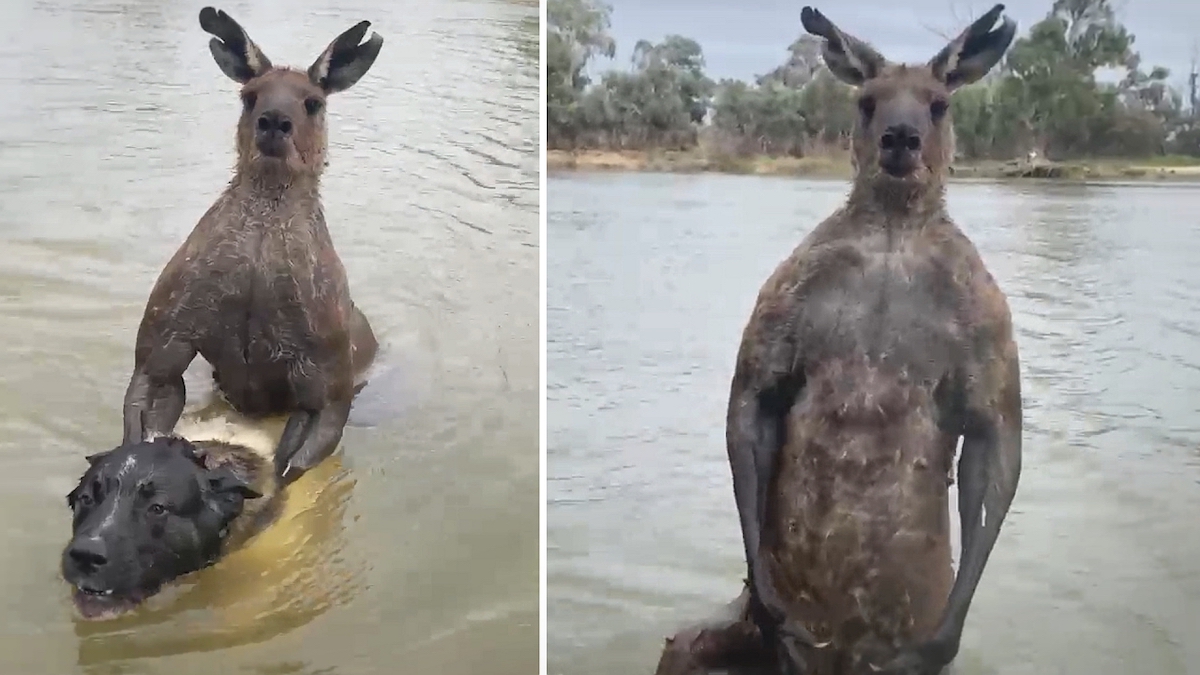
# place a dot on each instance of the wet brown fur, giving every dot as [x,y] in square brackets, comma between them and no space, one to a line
[870,350]
[859,530]
[730,643]
[856,535]
[922,194]
[257,289]
[289,89]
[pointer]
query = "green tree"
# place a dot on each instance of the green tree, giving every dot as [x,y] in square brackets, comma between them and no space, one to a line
[680,60]
[803,64]
[1048,96]
[576,31]
[1052,86]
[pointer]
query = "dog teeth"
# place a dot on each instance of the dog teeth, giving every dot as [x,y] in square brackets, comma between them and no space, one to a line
[108,592]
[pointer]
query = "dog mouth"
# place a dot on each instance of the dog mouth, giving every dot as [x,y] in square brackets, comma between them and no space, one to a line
[94,604]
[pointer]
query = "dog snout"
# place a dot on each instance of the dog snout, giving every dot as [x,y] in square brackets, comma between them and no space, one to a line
[900,137]
[88,553]
[275,123]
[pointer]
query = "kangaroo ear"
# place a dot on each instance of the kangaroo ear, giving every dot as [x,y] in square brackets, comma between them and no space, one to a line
[850,59]
[975,51]
[223,481]
[345,61]
[235,53]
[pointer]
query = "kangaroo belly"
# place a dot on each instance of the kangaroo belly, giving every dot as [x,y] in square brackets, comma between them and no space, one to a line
[259,340]
[255,389]
[858,523]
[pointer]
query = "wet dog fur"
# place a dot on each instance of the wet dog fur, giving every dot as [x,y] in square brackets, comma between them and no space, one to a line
[150,512]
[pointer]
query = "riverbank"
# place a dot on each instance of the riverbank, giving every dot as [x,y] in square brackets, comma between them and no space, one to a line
[696,161]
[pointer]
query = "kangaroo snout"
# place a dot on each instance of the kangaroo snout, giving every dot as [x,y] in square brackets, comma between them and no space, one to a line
[274,121]
[272,131]
[900,137]
[899,149]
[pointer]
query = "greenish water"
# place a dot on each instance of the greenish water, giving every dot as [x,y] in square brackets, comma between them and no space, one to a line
[419,553]
[650,280]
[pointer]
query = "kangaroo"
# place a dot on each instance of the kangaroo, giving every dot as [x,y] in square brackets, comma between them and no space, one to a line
[257,289]
[870,352]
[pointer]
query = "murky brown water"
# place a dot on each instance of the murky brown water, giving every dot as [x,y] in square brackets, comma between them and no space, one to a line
[417,551]
[650,281]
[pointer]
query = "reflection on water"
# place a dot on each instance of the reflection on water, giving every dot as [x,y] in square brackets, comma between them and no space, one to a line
[115,137]
[649,283]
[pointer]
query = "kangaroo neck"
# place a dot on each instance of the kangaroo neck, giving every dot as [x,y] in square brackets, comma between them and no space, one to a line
[273,187]
[899,203]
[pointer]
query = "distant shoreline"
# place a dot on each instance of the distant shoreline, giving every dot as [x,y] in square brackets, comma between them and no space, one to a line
[698,161]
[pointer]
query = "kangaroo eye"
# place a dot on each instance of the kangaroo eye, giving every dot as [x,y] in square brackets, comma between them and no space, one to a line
[866,105]
[249,99]
[158,509]
[312,105]
[938,108]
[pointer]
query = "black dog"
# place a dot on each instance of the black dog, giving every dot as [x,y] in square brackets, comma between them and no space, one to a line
[146,513]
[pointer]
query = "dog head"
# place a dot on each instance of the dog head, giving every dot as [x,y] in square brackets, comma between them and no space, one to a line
[144,514]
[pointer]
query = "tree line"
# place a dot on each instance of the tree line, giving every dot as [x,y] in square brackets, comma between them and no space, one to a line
[1045,97]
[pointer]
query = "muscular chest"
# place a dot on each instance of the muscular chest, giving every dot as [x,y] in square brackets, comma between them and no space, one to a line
[255,278]
[893,296]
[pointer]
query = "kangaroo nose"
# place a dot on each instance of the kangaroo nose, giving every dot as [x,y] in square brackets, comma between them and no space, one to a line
[90,553]
[273,120]
[900,136]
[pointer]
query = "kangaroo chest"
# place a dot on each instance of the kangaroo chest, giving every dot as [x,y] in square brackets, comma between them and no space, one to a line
[267,302]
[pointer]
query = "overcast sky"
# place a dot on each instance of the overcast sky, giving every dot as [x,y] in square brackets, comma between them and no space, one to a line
[743,38]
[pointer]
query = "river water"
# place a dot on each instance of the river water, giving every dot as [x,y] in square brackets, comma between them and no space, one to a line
[418,550]
[650,281]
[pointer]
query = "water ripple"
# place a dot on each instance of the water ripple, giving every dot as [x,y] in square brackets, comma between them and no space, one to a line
[649,285]
[117,135]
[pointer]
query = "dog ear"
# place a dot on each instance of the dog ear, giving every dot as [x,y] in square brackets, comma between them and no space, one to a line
[227,493]
[223,481]
[196,453]
[92,459]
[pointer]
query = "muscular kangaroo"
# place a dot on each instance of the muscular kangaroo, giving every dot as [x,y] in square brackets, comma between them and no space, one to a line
[257,288]
[870,352]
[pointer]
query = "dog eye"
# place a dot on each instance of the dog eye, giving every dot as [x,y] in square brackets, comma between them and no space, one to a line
[86,497]
[312,105]
[158,509]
